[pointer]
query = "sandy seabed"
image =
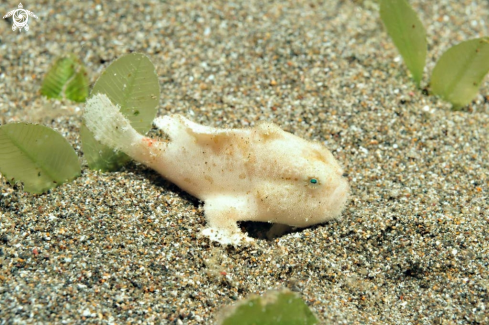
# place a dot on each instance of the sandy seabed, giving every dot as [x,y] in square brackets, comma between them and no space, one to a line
[122,247]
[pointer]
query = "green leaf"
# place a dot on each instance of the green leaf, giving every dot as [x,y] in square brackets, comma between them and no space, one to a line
[37,156]
[460,71]
[131,83]
[408,34]
[67,78]
[275,307]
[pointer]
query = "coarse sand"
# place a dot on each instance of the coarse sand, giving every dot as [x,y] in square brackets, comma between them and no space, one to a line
[123,247]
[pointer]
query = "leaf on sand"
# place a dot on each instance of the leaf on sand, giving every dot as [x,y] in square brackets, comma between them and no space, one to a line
[67,78]
[131,83]
[460,71]
[37,156]
[273,308]
[408,34]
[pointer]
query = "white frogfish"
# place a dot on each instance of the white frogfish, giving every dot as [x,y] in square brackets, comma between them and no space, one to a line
[256,174]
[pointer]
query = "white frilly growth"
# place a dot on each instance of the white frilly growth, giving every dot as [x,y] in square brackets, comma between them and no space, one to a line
[108,125]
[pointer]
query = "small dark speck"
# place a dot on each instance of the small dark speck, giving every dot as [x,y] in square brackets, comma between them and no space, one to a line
[135,284]
[351,59]
[4,239]
[136,113]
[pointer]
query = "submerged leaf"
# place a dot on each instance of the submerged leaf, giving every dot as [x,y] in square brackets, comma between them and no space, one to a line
[408,34]
[274,308]
[37,156]
[131,83]
[67,78]
[458,74]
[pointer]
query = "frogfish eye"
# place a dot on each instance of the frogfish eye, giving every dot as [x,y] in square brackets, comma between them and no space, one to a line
[313,181]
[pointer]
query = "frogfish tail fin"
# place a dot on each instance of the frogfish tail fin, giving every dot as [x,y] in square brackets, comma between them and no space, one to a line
[109,126]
